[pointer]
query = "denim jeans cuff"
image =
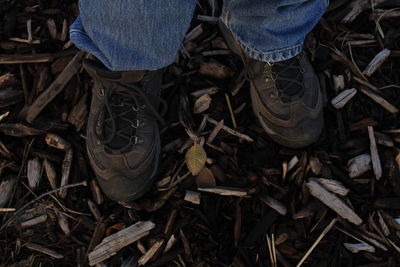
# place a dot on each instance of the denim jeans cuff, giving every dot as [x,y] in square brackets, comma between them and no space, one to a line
[276,55]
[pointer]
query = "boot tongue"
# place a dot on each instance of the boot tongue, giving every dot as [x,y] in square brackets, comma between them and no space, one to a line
[96,69]
[289,88]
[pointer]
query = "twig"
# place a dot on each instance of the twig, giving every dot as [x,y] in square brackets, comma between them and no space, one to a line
[231,131]
[330,225]
[376,163]
[228,101]
[84,183]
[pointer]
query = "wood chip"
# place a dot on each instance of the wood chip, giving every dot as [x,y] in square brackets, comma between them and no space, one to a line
[34,221]
[33,172]
[192,197]
[57,141]
[18,59]
[171,241]
[6,189]
[66,169]
[202,104]
[50,173]
[345,96]
[274,204]
[380,100]
[44,250]
[209,91]
[110,245]
[376,62]
[215,70]
[376,163]
[224,191]
[55,88]
[359,165]
[333,202]
[151,252]
[355,248]
[333,186]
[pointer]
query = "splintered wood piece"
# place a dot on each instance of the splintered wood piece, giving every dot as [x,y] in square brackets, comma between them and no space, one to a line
[359,165]
[19,129]
[202,104]
[57,141]
[33,172]
[292,163]
[94,209]
[224,191]
[376,62]
[215,70]
[215,132]
[376,162]
[333,202]
[34,221]
[383,139]
[66,169]
[50,173]
[110,245]
[7,79]
[338,82]
[380,100]
[333,186]
[151,252]
[186,245]
[17,59]
[96,192]
[315,165]
[355,248]
[51,26]
[171,241]
[64,31]
[274,204]
[55,88]
[345,96]
[193,34]
[209,91]
[78,114]
[192,197]
[231,131]
[6,189]
[44,250]
[63,223]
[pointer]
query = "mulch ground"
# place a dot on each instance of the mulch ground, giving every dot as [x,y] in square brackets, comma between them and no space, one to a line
[254,203]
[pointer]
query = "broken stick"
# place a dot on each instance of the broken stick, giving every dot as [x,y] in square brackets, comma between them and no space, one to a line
[333,202]
[55,88]
[113,243]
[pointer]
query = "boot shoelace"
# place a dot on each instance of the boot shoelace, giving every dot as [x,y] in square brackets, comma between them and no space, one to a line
[287,76]
[120,104]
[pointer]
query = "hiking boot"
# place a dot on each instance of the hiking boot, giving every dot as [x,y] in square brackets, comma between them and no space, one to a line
[286,97]
[123,141]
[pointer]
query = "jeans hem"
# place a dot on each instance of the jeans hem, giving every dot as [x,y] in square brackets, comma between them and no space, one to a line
[276,55]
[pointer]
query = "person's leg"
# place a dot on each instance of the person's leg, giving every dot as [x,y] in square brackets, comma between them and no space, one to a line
[133,39]
[132,34]
[284,89]
[272,30]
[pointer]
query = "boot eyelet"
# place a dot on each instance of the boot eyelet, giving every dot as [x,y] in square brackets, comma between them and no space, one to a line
[133,140]
[101,92]
[135,124]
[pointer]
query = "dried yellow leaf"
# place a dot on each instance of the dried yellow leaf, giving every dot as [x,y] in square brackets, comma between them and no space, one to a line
[195,159]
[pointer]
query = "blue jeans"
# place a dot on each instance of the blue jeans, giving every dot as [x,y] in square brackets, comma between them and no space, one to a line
[147,34]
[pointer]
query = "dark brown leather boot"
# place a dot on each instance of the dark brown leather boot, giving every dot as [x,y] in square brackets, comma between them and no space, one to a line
[286,97]
[123,141]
